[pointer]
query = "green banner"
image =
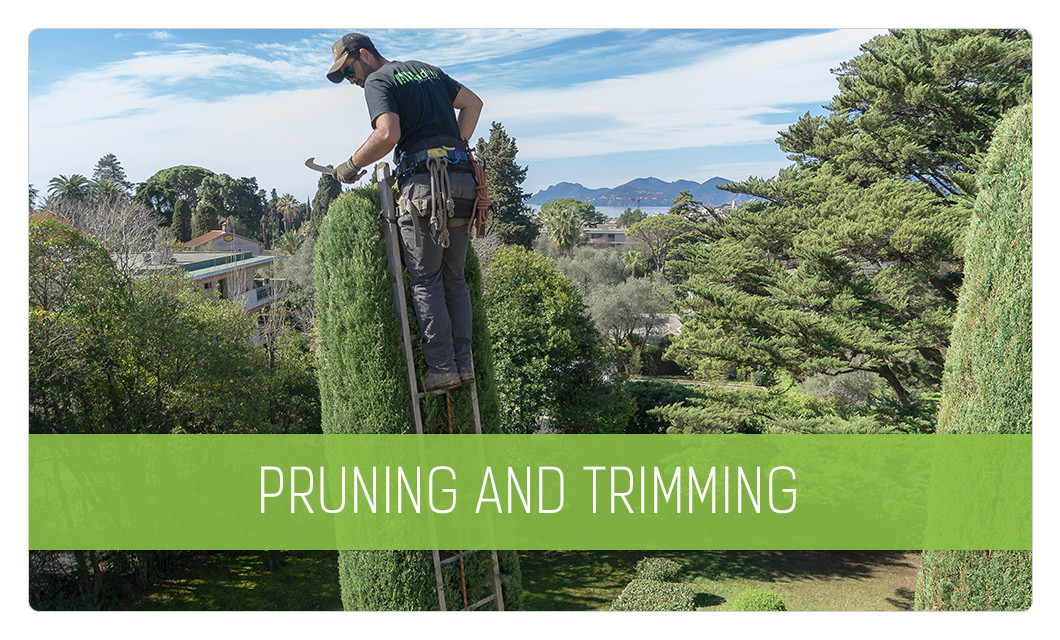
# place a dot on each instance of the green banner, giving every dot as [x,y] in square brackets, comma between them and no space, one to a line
[530,492]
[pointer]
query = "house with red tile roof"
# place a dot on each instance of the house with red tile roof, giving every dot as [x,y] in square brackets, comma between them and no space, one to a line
[223,240]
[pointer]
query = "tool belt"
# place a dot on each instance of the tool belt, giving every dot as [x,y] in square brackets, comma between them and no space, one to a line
[408,164]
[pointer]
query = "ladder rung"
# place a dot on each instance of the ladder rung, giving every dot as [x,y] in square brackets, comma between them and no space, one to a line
[481,602]
[454,558]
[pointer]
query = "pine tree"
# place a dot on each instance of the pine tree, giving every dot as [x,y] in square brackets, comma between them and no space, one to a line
[987,383]
[162,190]
[852,259]
[363,390]
[109,168]
[504,177]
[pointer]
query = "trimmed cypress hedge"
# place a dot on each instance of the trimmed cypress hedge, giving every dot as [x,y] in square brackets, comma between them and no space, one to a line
[654,595]
[657,568]
[652,589]
[986,387]
[757,600]
[363,389]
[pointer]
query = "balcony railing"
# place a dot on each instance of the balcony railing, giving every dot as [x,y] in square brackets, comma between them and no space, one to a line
[265,294]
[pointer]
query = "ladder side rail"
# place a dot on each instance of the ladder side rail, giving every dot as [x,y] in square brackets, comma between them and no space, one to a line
[439,583]
[498,591]
[393,259]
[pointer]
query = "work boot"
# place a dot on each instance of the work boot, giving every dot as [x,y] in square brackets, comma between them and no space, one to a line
[440,382]
[467,377]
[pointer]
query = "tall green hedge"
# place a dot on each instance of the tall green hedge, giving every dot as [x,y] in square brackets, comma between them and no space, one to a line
[987,381]
[363,389]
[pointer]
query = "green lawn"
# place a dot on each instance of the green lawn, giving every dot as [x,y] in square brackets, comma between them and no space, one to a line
[241,581]
[563,580]
[805,580]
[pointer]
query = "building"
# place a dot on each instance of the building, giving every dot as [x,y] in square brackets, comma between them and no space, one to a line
[234,275]
[606,234]
[226,265]
[223,240]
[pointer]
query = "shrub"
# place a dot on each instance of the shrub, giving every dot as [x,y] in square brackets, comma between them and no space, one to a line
[662,569]
[758,600]
[653,595]
[546,350]
[650,395]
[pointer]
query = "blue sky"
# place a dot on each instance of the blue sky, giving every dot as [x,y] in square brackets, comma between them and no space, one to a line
[595,106]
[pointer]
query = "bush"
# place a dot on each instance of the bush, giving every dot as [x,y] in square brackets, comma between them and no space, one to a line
[758,600]
[653,595]
[546,350]
[650,395]
[662,569]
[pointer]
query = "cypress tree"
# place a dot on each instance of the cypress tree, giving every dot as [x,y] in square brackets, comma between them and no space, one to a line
[505,177]
[182,218]
[986,385]
[363,390]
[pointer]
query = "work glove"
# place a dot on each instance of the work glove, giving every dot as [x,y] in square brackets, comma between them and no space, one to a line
[348,173]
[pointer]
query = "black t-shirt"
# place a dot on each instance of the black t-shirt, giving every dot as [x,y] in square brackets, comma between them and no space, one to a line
[420,94]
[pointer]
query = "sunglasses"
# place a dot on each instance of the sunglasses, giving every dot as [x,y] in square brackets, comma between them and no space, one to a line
[347,71]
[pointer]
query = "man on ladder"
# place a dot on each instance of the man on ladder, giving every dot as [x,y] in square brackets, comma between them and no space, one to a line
[411,105]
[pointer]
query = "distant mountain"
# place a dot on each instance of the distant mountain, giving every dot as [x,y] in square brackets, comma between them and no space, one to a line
[648,192]
[569,190]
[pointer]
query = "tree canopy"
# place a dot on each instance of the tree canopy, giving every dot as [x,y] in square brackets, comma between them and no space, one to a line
[853,259]
[148,356]
[162,190]
[221,196]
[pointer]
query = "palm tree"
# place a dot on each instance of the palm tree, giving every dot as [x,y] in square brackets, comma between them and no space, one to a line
[635,261]
[63,189]
[563,226]
[33,195]
[290,242]
[108,190]
[287,205]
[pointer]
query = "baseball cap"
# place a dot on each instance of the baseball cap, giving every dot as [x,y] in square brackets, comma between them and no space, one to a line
[343,47]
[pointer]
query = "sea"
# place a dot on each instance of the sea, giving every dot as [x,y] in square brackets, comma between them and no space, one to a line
[614,212]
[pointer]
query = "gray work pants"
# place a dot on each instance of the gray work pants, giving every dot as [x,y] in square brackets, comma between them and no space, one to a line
[439,293]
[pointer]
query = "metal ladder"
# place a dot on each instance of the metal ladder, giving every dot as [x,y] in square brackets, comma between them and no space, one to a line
[393,259]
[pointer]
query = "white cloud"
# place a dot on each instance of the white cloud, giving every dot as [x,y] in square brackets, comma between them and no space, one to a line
[461,46]
[160,35]
[133,108]
[712,101]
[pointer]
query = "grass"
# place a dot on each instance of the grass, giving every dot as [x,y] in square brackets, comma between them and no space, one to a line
[563,580]
[241,581]
[805,580]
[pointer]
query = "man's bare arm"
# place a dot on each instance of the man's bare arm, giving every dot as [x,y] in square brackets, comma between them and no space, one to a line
[383,139]
[469,107]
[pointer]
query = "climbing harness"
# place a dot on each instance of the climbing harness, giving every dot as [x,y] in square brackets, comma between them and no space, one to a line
[393,255]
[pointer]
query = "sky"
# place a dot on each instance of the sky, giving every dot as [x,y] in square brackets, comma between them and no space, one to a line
[595,106]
